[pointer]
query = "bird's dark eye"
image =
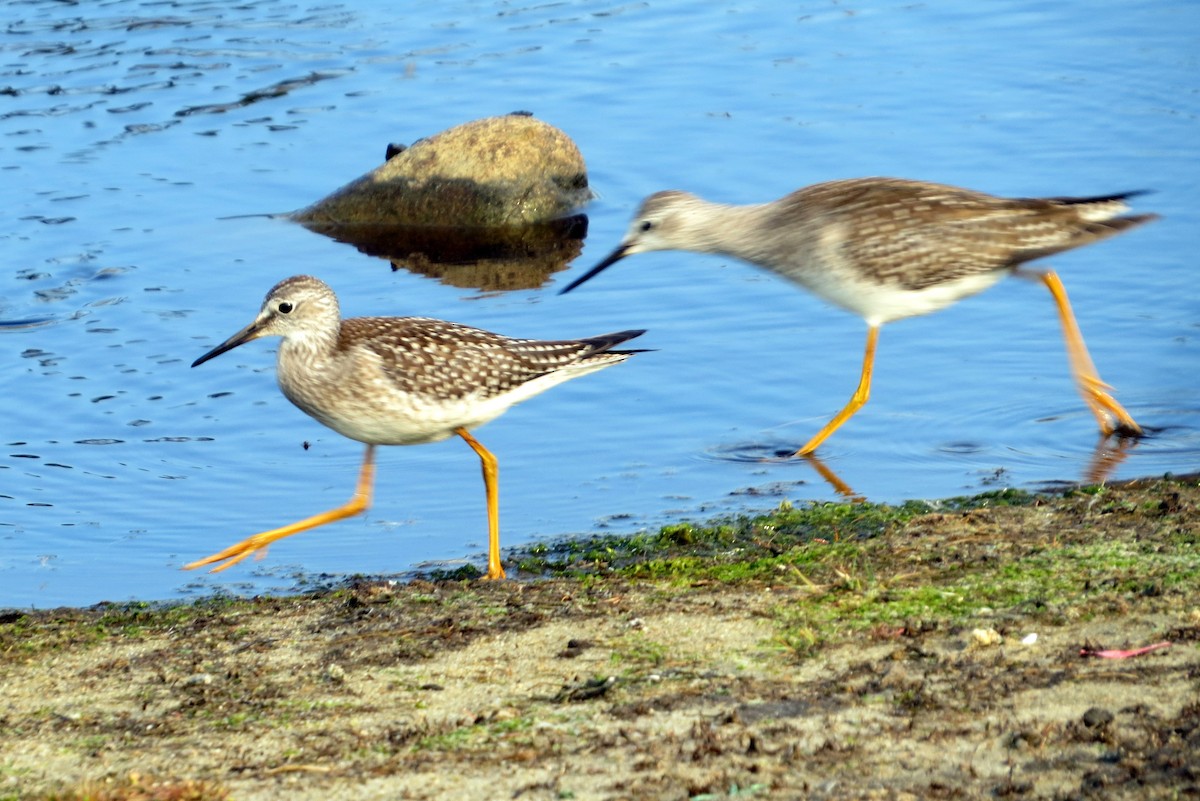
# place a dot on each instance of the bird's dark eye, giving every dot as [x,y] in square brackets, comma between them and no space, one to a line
[647,225]
[285,307]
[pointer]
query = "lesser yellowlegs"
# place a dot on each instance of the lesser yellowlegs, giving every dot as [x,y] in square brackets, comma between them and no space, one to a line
[402,381]
[888,248]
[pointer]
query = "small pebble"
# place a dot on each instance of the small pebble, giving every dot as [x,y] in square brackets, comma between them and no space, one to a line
[198,679]
[984,638]
[1096,717]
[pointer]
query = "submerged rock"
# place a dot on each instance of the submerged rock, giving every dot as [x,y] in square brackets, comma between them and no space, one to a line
[497,171]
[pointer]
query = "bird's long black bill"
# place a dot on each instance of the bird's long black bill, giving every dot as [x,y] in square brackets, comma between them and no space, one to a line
[240,338]
[609,261]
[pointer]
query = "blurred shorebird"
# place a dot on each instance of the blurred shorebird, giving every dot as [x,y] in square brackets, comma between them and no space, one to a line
[889,248]
[402,381]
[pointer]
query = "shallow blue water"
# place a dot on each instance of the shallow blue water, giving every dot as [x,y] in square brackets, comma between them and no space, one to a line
[126,144]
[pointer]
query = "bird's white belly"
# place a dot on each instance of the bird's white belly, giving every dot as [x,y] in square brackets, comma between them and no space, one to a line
[375,412]
[386,417]
[882,303]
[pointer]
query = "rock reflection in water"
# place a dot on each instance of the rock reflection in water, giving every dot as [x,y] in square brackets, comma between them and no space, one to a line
[491,259]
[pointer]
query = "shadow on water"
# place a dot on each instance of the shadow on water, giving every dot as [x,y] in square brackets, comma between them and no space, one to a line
[1108,455]
[782,454]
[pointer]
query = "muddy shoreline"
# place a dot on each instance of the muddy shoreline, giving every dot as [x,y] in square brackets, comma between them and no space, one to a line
[831,652]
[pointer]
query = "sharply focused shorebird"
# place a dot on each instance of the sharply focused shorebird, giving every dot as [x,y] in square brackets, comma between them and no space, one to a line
[402,381]
[889,248]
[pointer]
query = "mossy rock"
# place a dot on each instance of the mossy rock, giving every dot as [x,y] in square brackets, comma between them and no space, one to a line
[509,170]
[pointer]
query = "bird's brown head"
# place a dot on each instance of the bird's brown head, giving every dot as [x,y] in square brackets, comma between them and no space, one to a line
[656,226]
[295,307]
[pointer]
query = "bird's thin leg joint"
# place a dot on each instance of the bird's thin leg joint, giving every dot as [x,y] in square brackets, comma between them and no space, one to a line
[357,504]
[1094,391]
[491,472]
[857,400]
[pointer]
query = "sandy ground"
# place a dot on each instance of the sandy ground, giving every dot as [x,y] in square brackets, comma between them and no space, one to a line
[653,683]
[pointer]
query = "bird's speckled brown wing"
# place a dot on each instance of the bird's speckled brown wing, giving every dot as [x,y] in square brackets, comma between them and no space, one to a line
[425,356]
[917,234]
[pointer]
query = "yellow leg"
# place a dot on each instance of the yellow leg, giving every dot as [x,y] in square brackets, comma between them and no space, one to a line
[1093,390]
[490,480]
[856,400]
[356,505]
